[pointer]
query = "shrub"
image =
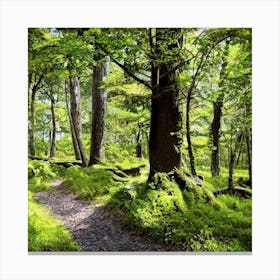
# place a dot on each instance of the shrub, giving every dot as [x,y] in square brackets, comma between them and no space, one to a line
[41,173]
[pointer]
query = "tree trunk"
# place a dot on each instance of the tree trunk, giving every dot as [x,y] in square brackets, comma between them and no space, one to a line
[32,124]
[73,135]
[215,131]
[188,131]
[216,122]
[231,164]
[99,108]
[249,153]
[238,153]
[53,130]
[138,143]
[31,132]
[165,141]
[75,112]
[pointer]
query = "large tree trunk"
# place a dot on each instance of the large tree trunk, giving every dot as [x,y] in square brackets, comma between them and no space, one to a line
[215,132]
[73,135]
[53,130]
[164,143]
[75,112]
[99,108]
[188,131]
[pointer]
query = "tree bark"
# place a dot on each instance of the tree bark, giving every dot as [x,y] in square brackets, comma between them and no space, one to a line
[231,163]
[53,129]
[165,141]
[73,135]
[99,108]
[238,152]
[188,131]
[75,112]
[215,132]
[138,143]
[32,124]
[31,133]
[216,124]
[249,153]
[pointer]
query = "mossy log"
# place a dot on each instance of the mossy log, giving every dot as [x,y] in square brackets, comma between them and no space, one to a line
[243,182]
[238,191]
[38,158]
[66,164]
[120,179]
[135,171]
[117,172]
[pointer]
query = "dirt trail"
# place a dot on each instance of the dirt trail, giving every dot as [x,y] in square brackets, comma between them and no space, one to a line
[93,226]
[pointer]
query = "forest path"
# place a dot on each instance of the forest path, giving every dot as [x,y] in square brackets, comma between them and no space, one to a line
[93,226]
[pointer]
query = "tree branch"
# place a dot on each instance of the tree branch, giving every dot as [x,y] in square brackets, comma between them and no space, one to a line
[132,75]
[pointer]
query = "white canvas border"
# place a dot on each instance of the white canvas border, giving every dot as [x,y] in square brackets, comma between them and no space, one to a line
[17,16]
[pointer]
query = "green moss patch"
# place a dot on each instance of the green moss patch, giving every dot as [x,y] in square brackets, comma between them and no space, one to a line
[189,217]
[93,182]
[45,233]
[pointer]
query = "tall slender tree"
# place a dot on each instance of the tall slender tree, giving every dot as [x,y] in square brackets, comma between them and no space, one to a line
[216,124]
[75,112]
[99,108]
[31,124]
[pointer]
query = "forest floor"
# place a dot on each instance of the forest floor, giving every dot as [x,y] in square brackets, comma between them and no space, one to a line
[93,226]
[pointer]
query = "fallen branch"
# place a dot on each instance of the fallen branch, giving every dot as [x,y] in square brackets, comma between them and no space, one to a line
[238,191]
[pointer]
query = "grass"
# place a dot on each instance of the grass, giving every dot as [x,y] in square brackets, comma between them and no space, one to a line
[220,182]
[45,233]
[190,219]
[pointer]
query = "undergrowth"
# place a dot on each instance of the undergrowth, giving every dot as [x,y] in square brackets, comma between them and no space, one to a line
[94,182]
[191,219]
[173,209]
[45,233]
[42,173]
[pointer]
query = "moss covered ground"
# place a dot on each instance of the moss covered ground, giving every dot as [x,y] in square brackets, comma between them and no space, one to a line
[45,233]
[192,218]
[187,216]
